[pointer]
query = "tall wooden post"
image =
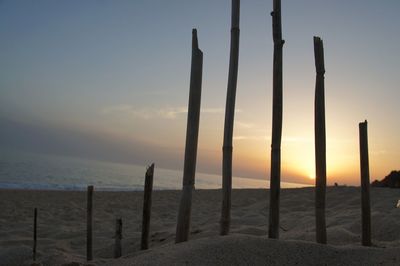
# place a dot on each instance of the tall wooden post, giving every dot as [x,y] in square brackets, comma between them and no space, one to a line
[365,199]
[34,233]
[89,222]
[275,179]
[192,132]
[229,119]
[148,188]
[320,142]
[118,237]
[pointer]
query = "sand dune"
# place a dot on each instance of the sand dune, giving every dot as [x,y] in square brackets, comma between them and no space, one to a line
[255,250]
[62,225]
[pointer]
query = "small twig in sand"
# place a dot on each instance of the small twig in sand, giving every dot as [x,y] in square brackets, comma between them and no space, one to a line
[281,227]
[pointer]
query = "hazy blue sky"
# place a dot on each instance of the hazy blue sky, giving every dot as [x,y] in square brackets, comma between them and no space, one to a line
[110,80]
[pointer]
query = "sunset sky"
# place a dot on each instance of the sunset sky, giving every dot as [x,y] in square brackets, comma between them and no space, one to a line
[109,80]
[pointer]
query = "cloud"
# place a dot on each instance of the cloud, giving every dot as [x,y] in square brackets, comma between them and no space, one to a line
[295,139]
[244,124]
[117,108]
[268,138]
[171,112]
[126,109]
[147,113]
[214,110]
[379,152]
[264,138]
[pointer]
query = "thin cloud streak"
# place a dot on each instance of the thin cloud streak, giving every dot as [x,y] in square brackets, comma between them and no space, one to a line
[244,124]
[147,113]
[268,138]
[289,139]
[264,138]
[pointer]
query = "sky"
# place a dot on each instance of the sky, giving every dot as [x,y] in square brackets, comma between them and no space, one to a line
[109,80]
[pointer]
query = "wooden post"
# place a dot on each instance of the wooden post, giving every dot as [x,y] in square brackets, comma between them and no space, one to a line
[148,187]
[365,200]
[118,237]
[229,119]
[34,233]
[320,142]
[89,221]
[275,178]
[192,132]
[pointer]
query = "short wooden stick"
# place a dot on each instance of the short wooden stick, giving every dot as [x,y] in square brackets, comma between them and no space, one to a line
[89,221]
[320,143]
[148,188]
[34,233]
[118,237]
[365,198]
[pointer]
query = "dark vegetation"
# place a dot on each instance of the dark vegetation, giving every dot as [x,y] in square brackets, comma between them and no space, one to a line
[392,180]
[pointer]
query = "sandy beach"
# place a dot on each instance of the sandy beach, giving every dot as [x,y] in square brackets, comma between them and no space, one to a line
[62,228]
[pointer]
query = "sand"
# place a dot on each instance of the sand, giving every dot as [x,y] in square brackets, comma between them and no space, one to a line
[62,228]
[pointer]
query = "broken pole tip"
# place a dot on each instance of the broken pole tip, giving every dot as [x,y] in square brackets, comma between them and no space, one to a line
[317,39]
[150,169]
[319,55]
[195,42]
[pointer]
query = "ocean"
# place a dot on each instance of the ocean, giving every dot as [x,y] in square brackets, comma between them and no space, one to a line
[22,170]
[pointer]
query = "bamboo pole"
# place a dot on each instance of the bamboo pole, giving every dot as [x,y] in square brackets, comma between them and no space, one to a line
[192,132]
[118,237]
[229,119]
[320,142]
[148,188]
[365,199]
[89,221]
[275,179]
[34,233]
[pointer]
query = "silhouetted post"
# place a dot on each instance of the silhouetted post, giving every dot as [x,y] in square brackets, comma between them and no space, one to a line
[89,221]
[118,237]
[365,200]
[275,179]
[192,133]
[320,142]
[148,188]
[34,233]
[229,119]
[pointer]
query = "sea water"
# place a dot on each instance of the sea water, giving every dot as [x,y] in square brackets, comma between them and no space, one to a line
[22,170]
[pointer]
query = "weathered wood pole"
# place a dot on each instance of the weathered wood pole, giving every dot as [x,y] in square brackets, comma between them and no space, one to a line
[229,119]
[320,142]
[118,237]
[277,84]
[365,199]
[34,233]
[148,188]
[192,133]
[89,222]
